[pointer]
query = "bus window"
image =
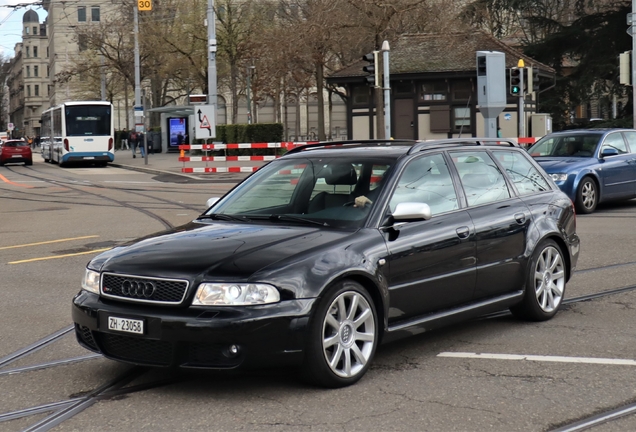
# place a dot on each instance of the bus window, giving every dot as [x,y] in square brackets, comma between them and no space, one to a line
[88,120]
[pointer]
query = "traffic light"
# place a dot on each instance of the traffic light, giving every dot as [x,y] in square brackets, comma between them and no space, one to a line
[532,80]
[371,69]
[516,81]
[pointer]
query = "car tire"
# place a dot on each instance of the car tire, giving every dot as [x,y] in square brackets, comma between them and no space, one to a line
[343,336]
[29,163]
[586,196]
[545,284]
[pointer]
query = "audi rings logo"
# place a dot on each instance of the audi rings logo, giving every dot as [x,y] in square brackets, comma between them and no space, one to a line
[137,289]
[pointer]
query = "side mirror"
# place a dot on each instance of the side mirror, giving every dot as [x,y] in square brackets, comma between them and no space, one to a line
[211,201]
[609,151]
[411,212]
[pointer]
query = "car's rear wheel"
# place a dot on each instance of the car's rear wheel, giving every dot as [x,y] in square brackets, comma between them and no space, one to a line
[28,163]
[343,336]
[586,196]
[545,284]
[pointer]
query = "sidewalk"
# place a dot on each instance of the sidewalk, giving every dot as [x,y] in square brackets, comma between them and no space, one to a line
[168,164]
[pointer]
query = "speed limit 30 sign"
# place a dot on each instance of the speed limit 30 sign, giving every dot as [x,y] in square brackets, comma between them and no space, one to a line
[144,5]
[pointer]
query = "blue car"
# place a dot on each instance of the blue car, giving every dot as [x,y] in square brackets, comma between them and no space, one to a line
[591,165]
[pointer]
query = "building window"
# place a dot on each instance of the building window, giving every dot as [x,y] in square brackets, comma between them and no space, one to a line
[48,71]
[36,89]
[35,71]
[95,13]
[28,71]
[35,52]
[81,13]
[81,42]
[26,30]
[462,90]
[434,91]
[35,30]
[28,52]
[47,56]
[361,95]
[28,90]
[48,90]
[462,119]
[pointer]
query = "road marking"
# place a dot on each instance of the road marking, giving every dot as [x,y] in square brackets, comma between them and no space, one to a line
[130,182]
[6,180]
[538,358]
[59,256]
[48,242]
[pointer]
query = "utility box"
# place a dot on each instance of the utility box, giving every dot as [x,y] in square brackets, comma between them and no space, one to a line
[540,124]
[491,88]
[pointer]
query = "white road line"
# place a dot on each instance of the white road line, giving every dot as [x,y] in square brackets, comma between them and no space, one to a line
[130,182]
[538,358]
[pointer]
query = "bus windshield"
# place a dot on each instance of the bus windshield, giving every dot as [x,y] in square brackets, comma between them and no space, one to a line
[88,120]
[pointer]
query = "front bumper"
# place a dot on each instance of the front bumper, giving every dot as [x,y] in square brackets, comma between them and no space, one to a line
[195,337]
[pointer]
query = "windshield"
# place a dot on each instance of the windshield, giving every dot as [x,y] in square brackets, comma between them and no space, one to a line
[574,145]
[88,120]
[308,190]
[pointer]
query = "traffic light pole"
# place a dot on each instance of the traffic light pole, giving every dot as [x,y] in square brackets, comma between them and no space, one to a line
[521,115]
[387,89]
[633,65]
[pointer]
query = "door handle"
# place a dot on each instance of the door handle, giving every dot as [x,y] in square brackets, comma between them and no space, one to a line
[520,218]
[463,232]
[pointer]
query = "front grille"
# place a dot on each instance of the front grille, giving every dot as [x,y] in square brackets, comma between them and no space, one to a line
[211,355]
[143,289]
[137,350]
[85,336]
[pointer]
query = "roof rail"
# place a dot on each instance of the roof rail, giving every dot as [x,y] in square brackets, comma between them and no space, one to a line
[386,142]
[423,145]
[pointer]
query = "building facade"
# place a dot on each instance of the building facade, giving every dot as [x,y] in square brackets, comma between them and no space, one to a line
[29,77]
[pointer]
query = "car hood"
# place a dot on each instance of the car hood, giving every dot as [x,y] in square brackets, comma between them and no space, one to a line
[225,250]
[564,164]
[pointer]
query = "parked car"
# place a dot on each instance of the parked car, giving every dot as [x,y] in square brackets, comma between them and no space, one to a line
[14,151]
[330,249]
[591,165]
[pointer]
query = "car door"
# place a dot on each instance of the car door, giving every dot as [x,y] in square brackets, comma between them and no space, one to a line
[618,173]
[501,221]
[431,263]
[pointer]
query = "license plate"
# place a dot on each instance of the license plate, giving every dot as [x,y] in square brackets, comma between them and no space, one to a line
[89,157]
[126,325]
[16,156]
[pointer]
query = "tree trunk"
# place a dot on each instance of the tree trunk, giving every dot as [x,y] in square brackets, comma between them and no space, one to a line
[234,91]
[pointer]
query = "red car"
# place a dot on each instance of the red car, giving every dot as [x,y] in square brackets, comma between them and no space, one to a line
[16,151]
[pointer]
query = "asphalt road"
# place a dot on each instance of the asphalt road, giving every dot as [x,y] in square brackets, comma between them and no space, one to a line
[53,220]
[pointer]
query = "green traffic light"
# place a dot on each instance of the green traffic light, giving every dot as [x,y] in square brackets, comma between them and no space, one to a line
[515,90]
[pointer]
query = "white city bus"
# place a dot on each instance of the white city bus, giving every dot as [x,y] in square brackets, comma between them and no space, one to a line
[78,132]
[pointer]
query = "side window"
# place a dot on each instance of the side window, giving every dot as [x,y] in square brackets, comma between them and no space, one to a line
[631,140]
[482,181]
[615,140]
[426,180]
[523,174]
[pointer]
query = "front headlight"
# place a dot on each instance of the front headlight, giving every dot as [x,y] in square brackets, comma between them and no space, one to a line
[559,177]
[91,281]
[226,294]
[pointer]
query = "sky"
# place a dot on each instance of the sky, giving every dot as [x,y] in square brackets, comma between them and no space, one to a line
[11,23]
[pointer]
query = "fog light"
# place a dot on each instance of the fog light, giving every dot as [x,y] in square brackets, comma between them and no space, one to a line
[233,350]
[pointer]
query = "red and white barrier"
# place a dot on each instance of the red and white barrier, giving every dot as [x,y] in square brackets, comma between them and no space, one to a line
[267,145]
[526,141]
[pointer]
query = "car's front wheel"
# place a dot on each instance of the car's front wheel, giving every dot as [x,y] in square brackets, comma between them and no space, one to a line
[343,336]
[586,196]
[545,285]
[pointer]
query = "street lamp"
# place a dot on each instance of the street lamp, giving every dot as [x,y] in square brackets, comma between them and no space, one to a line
[249,101]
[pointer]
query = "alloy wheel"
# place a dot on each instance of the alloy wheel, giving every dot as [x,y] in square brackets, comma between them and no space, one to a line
[348,334]
[549,277]
[588,194]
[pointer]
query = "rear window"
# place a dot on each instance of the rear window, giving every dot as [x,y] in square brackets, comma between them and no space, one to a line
[16,144]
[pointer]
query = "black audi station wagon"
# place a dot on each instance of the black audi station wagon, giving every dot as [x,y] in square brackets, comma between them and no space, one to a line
[322,254]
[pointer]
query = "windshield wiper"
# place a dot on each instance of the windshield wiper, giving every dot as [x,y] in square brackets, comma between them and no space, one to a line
[225,217]
[283,217]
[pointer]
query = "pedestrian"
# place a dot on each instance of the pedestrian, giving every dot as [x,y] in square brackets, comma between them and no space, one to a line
[140,144]
[124,139]
[133,142]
